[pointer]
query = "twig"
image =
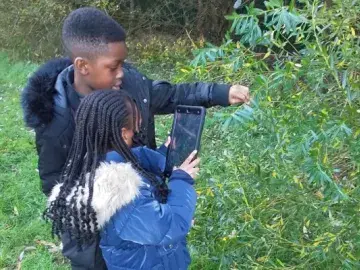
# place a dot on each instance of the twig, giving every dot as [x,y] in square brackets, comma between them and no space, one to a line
[192,42]
[21,256]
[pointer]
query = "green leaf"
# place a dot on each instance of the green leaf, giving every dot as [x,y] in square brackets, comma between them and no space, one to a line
[272,4]
[344,79]
[226,124]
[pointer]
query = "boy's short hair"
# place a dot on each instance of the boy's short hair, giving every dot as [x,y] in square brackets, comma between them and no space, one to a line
[87,32]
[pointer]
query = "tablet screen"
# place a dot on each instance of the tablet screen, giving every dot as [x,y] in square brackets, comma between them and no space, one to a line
[185,136]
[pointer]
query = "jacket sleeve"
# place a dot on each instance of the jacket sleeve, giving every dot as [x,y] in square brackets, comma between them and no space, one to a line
[152,223]
[165,96]
[52,157]
[162,149]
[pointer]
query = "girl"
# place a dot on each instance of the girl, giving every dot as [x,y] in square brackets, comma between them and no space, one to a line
[110,188]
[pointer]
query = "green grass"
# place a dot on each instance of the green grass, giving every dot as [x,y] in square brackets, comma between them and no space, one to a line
[256,209]
[21,199]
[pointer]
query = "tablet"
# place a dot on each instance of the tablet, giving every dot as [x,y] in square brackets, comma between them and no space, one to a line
[186,133]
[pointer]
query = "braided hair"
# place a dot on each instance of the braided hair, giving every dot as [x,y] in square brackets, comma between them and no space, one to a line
[99,121]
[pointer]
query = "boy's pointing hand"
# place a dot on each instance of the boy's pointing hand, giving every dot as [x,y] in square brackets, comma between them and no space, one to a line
[239,94]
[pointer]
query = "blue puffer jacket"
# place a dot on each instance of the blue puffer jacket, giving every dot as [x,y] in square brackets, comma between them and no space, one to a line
[139,232]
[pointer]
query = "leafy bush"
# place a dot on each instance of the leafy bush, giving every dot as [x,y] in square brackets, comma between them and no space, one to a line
[31,29]
[325,69]
[284,192]
[156,55]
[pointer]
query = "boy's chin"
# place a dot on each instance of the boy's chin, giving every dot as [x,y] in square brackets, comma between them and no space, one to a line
[117,87]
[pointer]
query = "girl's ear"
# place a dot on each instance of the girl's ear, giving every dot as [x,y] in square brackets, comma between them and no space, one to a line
[124,133]
[127,135]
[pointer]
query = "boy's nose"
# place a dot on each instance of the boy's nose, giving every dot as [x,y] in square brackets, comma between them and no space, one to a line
[120,74]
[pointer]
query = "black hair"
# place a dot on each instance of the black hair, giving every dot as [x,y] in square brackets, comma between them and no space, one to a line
[87,32]
[99,120]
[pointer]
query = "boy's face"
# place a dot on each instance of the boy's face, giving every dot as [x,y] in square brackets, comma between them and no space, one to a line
[105,71]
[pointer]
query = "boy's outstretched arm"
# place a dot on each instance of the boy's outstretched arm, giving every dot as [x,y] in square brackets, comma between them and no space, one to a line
[166,96]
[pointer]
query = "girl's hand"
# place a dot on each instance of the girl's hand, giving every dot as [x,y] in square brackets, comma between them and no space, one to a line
[191,165]
[168,141]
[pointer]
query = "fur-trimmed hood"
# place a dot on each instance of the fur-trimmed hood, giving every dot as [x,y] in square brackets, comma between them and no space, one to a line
[115,185]
[38,96]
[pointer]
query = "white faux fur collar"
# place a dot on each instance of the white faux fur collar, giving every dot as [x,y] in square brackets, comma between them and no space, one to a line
[115,185]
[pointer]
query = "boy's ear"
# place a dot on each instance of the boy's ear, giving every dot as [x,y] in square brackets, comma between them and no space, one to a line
[82,65]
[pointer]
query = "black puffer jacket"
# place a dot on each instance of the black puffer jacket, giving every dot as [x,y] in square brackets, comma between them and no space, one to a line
[49,102]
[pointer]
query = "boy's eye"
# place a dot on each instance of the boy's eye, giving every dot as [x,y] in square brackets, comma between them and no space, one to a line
[115,66]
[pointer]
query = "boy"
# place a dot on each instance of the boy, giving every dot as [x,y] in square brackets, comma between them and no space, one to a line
[96,45]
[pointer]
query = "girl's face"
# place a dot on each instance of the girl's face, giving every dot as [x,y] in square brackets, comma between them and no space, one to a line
[128,133]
